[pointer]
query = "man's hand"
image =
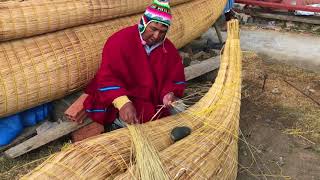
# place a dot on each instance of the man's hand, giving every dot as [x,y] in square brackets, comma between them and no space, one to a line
[168,99]
[128,113]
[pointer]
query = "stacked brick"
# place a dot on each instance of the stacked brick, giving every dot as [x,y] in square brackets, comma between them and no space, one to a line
[77,114]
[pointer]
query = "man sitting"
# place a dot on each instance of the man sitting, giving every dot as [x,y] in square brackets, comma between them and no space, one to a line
[141,70]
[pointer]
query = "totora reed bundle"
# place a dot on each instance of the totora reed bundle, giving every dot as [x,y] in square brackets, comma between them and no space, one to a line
[210,152]
[20,19]
[43,68]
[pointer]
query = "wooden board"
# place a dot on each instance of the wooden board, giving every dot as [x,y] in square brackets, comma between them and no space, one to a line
[204,67]
[64,128]
[27,133]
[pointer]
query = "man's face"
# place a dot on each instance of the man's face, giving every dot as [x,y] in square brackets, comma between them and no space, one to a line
[154,33]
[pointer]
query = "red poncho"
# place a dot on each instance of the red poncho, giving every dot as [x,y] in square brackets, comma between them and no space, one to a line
[126,69]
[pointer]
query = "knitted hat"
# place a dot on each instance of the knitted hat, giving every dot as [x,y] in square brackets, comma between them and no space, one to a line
[158,11]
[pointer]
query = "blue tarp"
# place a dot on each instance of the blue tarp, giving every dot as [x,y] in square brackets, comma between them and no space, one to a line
[12,126]
[228,6]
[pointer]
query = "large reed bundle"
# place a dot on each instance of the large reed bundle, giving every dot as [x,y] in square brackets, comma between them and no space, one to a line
[32,17]
[43,68]
[209,152]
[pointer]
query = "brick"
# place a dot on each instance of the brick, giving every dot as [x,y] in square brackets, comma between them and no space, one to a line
[87,131]
[76,111]
[80,118]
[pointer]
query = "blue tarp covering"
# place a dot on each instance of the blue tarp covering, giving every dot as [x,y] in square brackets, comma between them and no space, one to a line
[229,6]
[12,126]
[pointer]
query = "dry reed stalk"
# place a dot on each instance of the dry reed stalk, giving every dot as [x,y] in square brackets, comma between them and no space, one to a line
[211,151]
[146,157]
[21,19]
[109,154]
[47,67]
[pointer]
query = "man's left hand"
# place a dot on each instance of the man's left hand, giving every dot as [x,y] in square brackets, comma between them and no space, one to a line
[168,99]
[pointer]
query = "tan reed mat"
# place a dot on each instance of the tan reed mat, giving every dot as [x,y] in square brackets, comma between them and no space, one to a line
[44,68]
[20,19]
[210,151]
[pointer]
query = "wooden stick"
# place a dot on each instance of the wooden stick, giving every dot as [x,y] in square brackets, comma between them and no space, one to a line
[315,101]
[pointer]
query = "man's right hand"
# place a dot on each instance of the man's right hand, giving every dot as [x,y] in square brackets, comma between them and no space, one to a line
[128,113]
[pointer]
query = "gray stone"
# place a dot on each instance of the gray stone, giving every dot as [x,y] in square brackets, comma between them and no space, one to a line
[250,20]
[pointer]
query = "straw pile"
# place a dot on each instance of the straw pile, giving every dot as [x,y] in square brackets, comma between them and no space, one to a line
[43,68]
[147,160]
[33,17]
[210,152]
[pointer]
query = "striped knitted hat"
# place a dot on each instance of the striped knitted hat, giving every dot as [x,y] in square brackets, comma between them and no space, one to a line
[158,11]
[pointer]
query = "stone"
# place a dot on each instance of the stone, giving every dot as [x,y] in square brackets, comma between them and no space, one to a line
[245,153]
[281,161]
[239,6]
[184,54]
[263,22]
[250,20]
[186,61]
[275,91]
[315,28]
[244,18]
[312,90]
[213,52]
[290,24]
[179,133]
[268,120]
[271,23]
[316,148]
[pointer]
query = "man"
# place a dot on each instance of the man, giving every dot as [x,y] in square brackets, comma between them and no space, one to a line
[140,71]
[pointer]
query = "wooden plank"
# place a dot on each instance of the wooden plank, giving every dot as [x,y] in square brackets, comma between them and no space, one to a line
[204,67]
[286,17]
[218,32]
[27,133]
[63,128]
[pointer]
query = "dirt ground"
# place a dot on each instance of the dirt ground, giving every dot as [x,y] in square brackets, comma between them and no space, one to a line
[280,126]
